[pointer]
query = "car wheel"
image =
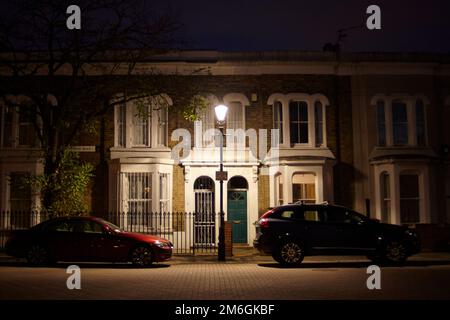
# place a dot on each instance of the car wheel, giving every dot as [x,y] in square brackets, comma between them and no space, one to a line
[141,256]
[37,255]
[290,253]
[395,252]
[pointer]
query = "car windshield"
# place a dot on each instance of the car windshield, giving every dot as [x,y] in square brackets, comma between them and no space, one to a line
[111,226]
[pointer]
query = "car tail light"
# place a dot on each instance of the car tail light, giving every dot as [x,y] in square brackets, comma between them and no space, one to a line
[263,223]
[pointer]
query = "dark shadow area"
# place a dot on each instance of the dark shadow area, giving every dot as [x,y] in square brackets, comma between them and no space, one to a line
[83,265]
[357,264]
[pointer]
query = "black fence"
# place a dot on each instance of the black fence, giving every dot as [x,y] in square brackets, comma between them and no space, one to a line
[191,233]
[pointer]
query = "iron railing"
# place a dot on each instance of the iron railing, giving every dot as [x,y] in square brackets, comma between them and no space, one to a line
[190,232]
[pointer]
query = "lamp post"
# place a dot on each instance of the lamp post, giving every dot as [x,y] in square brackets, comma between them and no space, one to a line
[221,113]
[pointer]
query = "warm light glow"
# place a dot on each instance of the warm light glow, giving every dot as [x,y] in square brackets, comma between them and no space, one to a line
[221,112]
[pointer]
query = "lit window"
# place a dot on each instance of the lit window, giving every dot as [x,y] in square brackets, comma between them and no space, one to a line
[235,116]
[304,187]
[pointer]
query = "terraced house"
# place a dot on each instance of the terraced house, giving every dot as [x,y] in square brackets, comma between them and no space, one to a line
[368,131]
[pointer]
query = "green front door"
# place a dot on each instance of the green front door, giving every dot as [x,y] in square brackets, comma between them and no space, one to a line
[237,214]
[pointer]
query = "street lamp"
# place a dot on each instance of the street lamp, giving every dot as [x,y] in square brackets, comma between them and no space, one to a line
[221,113]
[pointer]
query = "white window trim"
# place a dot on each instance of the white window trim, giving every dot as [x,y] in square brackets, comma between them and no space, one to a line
[240,98]
[410,101]
[153,125]
[310,100]
[15,139]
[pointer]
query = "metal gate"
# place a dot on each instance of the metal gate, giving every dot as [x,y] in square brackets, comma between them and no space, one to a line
[204,221]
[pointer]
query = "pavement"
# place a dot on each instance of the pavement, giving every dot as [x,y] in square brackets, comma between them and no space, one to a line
[243,254]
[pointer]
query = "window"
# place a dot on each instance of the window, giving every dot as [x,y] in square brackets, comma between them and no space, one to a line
[163,192]
[385,193]
[409,198]
[278,190]
[342,215]
[304,188]
[7,134]
[58,226]
[141,136]
[278,119]
[206,120]
[298,116]
[420,123]
[18,125]
[136,196]
[235,116]
[121,125]
[144,120]
[162,125]
[312,215]
[318,119]
[381,123]
[19,192]
[27,117]
[287,214]
[81,226]
[399,123]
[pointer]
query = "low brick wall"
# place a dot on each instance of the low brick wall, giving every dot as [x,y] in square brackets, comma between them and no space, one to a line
[228,239]
[434,237]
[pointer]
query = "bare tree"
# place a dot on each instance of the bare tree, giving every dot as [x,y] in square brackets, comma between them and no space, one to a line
[41,58]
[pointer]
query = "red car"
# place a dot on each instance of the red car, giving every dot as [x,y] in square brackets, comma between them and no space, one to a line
[86,239]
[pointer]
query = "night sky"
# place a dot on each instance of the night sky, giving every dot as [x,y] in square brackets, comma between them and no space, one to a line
[247,25]
[257,25]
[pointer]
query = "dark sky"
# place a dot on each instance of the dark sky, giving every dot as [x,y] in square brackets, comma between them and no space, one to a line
[230,25]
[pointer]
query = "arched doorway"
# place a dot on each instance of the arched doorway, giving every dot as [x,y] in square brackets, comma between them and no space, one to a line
[204,223]
[237,208]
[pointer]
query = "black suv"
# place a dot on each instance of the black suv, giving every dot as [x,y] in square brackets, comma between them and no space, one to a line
[290,232]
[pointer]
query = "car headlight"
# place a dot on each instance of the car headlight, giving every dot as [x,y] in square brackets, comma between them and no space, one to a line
[162,244]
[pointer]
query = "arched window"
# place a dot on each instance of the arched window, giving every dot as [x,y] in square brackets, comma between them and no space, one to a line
[142,122]
[237,182]
[401,120]
[18,121]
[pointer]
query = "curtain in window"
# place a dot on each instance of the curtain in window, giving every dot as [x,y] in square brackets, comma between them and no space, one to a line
[235,116]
